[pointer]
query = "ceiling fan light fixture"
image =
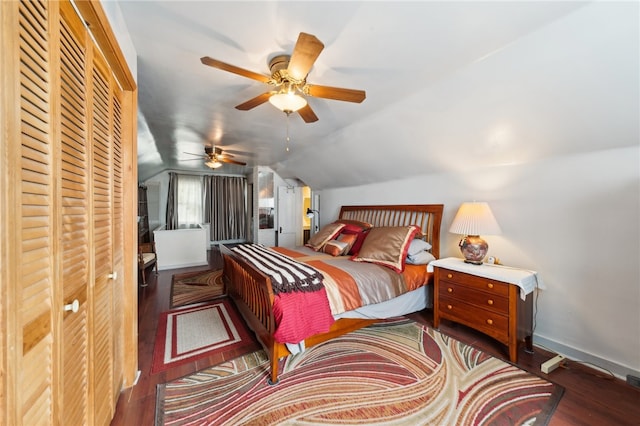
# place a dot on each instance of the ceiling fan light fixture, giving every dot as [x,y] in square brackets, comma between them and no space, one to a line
[213,164]
[288,102]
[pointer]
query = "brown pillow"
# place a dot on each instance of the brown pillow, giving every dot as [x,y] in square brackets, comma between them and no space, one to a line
[387,246]
[328,232]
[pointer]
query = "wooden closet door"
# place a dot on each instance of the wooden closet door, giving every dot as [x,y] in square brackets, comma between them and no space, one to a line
[102,332]
[75,206]
[117,261]
[66,152]
[31,330]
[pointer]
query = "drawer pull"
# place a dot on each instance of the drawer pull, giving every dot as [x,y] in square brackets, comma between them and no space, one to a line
[449,307]
[450,290]
[490,321]
[490,302]
[490,285]
[449,275]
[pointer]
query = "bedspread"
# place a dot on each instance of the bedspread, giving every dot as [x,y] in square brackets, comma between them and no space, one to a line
[346,285]
[350,285]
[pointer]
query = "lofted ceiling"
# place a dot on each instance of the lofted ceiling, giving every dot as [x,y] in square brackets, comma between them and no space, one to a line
[449,85]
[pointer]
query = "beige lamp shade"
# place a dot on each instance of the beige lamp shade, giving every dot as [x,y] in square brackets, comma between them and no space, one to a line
[472,220]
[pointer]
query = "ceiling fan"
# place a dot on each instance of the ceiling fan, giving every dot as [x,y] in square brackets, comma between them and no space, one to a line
[214,157]
[289,79]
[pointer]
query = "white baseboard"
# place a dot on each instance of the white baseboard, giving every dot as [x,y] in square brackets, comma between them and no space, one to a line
[181,265]
[618,370]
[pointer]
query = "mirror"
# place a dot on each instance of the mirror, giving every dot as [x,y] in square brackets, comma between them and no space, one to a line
[266,200]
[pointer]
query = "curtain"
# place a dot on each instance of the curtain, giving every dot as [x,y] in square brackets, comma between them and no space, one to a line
[225,207]
[189,201]
[172,202]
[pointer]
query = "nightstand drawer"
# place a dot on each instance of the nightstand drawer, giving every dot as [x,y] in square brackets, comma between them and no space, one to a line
[479,283]
[486,321]
[482,299]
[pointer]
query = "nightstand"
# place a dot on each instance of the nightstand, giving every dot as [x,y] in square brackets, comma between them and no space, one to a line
[493,299]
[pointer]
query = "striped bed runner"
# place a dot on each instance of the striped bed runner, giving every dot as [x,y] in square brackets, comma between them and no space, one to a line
[287,275]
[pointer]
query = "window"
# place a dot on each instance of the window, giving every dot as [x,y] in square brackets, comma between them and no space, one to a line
[190,195]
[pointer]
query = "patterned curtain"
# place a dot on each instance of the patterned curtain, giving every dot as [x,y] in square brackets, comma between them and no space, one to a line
[172,202]
[225,207]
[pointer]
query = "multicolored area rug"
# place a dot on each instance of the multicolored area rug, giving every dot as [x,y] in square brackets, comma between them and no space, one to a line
[393,373]
[195,287]
[198,331]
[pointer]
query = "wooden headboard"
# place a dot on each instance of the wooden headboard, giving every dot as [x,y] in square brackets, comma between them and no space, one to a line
[427,216]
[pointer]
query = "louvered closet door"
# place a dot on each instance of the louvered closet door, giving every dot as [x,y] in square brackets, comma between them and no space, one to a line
[33,292]
[75,205]
[102,356]
[62,187]
[117,320]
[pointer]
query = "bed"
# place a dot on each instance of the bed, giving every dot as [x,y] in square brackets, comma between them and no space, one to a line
[252,289]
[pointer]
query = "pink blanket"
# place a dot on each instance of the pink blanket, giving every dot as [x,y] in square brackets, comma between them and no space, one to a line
[300,315]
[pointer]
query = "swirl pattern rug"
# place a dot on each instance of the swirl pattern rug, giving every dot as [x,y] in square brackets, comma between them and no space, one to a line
[196,287]
[393,373]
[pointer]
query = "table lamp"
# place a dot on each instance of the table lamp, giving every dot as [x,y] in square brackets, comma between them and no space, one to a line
[472,220]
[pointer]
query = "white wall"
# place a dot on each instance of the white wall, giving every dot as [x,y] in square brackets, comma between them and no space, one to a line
[573,219]
[116,20]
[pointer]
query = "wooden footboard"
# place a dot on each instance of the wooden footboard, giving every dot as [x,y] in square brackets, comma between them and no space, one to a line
[252,294]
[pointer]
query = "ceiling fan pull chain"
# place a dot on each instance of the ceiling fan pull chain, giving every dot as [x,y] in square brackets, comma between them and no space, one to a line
[287,141]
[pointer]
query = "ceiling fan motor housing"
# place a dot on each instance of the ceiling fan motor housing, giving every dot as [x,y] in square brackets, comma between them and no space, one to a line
[278,63]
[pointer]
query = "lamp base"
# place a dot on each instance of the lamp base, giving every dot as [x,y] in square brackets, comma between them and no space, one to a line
[474,249]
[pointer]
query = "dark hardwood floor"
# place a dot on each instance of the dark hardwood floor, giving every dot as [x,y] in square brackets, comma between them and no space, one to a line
[591,397]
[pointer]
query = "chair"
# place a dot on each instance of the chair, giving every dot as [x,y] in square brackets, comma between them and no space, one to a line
[146,257]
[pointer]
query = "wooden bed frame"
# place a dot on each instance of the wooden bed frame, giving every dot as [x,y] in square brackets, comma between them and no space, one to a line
[252,292]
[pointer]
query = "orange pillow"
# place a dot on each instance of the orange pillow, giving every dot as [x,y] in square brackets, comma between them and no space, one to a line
[350,239]
[340,246]
[334,247]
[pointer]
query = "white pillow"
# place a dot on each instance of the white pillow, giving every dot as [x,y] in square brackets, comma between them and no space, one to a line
[417,246]
[422,258]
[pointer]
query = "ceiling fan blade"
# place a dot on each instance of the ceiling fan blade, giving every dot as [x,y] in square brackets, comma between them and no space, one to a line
[305,53]
[197,155]
[337,93]
[232,68]
[221,153]
[230,161]
[307,114]
[252,103]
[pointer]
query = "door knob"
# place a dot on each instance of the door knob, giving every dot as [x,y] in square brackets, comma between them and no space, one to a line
[113,275]
[73,306]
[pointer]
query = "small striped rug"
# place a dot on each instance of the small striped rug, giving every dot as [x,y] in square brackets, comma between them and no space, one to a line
[393,373]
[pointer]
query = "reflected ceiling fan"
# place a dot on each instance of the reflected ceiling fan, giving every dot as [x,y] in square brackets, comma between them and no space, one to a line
[214,157]
[289,79]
